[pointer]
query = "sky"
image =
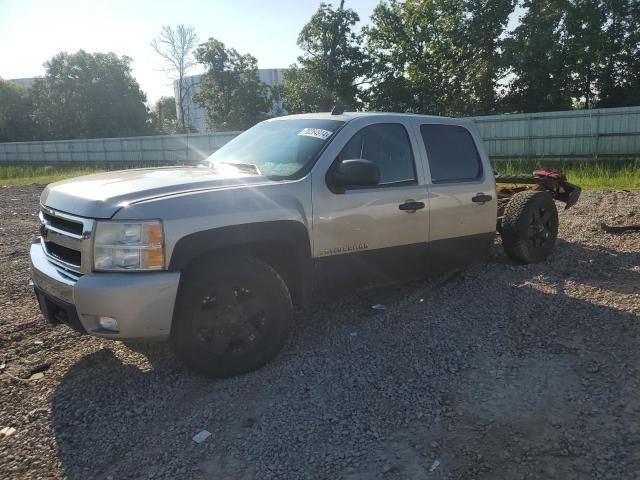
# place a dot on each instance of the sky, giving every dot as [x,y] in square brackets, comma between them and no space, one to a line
[33,31]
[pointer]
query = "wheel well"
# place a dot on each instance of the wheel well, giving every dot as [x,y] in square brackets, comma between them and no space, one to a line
[291,264]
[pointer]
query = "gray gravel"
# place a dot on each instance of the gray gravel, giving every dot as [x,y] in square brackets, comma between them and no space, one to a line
[502,371]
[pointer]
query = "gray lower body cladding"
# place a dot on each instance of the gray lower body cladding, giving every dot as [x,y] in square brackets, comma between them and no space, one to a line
[339,274]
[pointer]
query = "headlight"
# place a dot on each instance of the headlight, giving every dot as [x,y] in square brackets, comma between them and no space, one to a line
[128,246]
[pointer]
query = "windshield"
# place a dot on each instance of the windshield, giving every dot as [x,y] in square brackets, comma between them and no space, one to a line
[278,148]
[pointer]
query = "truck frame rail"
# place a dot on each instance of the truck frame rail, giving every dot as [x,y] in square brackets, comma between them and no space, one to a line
[541,180]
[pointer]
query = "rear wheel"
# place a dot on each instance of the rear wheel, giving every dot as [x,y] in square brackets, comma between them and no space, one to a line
[233,315]
[529,226]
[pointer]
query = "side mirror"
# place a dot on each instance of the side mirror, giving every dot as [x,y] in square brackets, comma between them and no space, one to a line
[355,173]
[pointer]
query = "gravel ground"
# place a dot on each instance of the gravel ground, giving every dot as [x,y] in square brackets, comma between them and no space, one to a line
[502,371]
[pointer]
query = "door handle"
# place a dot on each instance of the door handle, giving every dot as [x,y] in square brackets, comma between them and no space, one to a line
[410,206]
[481,198]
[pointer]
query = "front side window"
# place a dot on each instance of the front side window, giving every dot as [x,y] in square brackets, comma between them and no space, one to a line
[388,146]
[276,148]
[452,153]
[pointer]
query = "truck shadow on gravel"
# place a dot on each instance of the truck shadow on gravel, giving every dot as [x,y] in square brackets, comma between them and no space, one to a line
[593,266]
[498,373]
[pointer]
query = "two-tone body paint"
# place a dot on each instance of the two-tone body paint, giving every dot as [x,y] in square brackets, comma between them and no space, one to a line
[359,234]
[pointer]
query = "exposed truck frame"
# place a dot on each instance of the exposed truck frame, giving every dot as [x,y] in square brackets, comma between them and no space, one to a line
[541,180]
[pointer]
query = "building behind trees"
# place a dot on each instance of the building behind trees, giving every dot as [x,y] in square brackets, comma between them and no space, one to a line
[196,115]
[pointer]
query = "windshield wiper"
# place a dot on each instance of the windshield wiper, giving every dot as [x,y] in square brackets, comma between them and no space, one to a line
[250,167]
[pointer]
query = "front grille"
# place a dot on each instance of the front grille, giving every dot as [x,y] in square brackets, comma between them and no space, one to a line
[62,224]
[66,240]
[65,254]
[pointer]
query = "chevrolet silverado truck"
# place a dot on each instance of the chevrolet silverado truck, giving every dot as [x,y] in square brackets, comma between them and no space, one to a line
[214,257]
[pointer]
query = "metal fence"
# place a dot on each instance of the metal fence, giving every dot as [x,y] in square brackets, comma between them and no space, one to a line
[159,149]
[602,134]
[606,133]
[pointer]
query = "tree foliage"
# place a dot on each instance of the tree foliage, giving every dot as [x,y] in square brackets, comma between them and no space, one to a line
[436,56]
[331,64]
[574,52]
[231,91]
[84,95]
[15,113]
[411,50]
[175,47]
[163,115]
[617,65]
[536,56]
[612,71]
[482,52]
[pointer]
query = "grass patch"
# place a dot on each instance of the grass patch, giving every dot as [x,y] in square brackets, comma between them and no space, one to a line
[28,174]
[43,174]
[588,175]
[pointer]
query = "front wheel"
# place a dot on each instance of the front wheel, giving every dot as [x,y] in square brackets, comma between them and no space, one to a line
[233,315]
[529,226]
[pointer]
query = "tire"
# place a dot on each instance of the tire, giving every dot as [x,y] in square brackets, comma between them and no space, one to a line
[233,315]
[529,226]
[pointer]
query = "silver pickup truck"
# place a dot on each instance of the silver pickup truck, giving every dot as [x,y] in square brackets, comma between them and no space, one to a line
[214,257]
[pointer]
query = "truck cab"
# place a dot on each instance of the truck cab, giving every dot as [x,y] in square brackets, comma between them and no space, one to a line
[421,216]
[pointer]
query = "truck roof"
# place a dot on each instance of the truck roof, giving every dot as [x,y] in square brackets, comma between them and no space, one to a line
[347,116]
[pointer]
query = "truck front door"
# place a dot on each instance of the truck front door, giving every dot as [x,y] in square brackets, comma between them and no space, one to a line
[371,235]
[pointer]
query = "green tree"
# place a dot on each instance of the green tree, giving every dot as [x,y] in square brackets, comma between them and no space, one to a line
[393,58]
[619,82]
[481,65]
[231,91]
[15,113]
[436,56]
[84,95]
[415,53]
[538,58]
[164,118]
[584,53]
[586,42]
[277,100]
[603,40]
[331,64]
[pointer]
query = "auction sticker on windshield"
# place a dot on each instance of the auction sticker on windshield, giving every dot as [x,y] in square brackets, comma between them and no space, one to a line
[315,133]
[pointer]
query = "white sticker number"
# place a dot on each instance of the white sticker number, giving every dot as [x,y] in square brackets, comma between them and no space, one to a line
[315,133]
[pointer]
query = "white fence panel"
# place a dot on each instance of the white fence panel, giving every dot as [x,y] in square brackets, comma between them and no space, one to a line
[612,133]
[607,133]
[169,149]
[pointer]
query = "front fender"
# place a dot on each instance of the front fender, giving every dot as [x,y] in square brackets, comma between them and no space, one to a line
[289,233]
[283,244]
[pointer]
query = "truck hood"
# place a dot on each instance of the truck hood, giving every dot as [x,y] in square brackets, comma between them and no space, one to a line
[103,194]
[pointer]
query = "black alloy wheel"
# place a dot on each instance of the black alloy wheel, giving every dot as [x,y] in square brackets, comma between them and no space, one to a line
[233,315]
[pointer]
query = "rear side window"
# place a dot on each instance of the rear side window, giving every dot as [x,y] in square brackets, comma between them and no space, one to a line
[388,146]
[452,153]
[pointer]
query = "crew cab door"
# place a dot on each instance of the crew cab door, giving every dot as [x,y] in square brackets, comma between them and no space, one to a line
[462,194]
[365,235]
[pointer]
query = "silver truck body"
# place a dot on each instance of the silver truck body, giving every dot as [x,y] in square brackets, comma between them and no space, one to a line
[327,239]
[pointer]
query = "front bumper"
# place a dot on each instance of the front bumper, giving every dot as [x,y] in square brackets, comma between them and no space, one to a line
[142,303]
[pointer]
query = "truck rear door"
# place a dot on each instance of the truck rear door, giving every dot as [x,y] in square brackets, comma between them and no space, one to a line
[462,195]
